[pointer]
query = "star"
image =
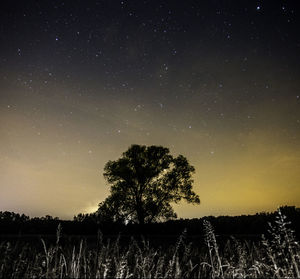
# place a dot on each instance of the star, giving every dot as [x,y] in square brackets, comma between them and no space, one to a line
[93,78]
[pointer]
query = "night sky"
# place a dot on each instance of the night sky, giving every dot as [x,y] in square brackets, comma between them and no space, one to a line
[215,81]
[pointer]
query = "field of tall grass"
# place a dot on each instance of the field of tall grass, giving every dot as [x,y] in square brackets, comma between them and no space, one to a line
[276,255]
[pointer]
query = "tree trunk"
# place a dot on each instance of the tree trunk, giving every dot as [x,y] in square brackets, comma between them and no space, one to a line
[141,217]
[141,222]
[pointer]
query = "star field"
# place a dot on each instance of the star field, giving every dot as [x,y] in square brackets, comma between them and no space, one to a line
[216,81]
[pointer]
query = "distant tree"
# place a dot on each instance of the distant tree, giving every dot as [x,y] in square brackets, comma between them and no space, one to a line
[85,217]
[13,217]
[144,182]
[49,218]
[79,217]
[288,210]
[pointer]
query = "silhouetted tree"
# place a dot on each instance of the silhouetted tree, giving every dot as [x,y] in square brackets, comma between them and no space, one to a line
[144,182]
[79,217]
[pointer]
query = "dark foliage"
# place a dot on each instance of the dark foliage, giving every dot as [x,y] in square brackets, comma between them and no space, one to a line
[144,182]
[88,224]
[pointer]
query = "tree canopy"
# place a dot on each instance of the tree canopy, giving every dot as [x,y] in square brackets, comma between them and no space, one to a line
[144,182]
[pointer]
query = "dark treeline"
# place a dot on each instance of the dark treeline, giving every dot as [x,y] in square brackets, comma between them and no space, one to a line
[88,224]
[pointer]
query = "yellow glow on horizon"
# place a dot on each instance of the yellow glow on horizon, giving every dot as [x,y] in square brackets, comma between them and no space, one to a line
[236,172]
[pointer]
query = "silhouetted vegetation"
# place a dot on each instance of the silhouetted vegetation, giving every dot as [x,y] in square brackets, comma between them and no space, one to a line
[144,182]
[275,255]
[88,224]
